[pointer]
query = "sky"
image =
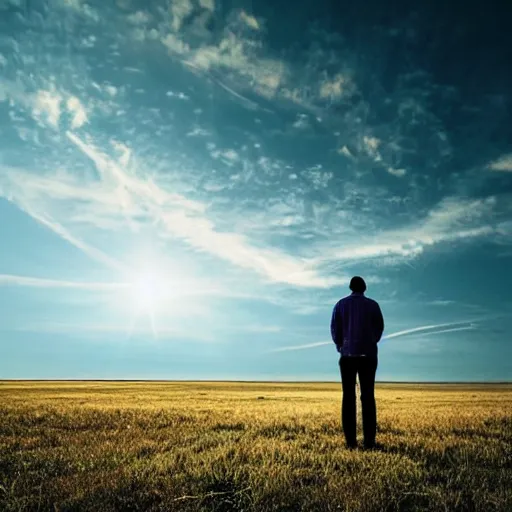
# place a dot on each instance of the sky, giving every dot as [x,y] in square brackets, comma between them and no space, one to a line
[187,187]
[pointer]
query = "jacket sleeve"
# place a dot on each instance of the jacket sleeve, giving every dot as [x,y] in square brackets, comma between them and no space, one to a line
[379,322]
[336,334]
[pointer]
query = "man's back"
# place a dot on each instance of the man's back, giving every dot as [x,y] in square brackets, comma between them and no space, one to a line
[356,328]
[357,325]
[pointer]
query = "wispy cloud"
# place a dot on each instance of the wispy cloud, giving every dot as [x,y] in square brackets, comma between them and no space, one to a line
[470,327]
[58,229]
[453,219]
[302,347]
[249,20]
[126,331]
[38,282]
[504,163]
[79,114]
[399,173]
[207,4]
[82,8]
[177,216]
[236,55]
[432,329]
[336,87]
[424,330]
[122,195]
[47,104]
[139,18]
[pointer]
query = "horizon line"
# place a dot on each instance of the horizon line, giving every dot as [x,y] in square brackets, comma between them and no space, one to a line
[260,381]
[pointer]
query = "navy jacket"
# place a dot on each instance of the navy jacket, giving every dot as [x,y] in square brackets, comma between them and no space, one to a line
[357,325]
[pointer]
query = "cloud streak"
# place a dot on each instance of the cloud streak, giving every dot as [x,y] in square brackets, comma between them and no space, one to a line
[453,219]
[431,329]
[177,216]
[470,327]
[38,282]
[503,164]
[302,347]
[61,231]
[424,330]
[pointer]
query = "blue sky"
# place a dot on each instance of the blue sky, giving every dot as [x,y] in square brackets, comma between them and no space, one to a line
[187,187]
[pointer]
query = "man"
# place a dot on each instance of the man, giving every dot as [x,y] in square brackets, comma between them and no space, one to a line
[356,328]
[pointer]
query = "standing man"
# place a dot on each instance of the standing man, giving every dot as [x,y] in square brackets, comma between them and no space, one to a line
[356,328]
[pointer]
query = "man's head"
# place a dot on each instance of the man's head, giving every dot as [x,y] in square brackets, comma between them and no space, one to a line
[357,284]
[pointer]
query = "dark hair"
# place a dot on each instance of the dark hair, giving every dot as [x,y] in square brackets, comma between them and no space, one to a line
[357,284]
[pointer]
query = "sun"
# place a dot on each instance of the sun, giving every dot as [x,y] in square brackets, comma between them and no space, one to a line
[147,291]
[149,294]
[157,291]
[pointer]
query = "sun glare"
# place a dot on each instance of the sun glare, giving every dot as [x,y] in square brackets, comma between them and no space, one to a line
[150,292]
[156,293]
[147,291]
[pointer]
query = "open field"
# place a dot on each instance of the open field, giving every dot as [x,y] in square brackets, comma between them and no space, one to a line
[250,446]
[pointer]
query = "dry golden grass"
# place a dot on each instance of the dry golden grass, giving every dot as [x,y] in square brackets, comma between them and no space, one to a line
[250,446]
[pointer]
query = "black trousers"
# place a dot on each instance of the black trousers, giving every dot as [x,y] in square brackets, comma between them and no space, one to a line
[366,368]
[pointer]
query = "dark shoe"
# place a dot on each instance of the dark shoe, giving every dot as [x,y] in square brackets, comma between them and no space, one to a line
[351,446]
[372,446]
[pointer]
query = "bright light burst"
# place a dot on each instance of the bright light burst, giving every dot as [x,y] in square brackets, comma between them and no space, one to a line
[147,295]
[152,288]
[148,291]
[159,293]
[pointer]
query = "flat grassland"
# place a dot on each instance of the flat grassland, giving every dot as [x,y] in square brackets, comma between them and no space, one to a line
[218,446]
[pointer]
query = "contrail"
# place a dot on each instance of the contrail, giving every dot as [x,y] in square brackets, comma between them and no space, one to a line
[466,328]
[249,102]
[423,330]
[301,347]
[38,282]
[58,229]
